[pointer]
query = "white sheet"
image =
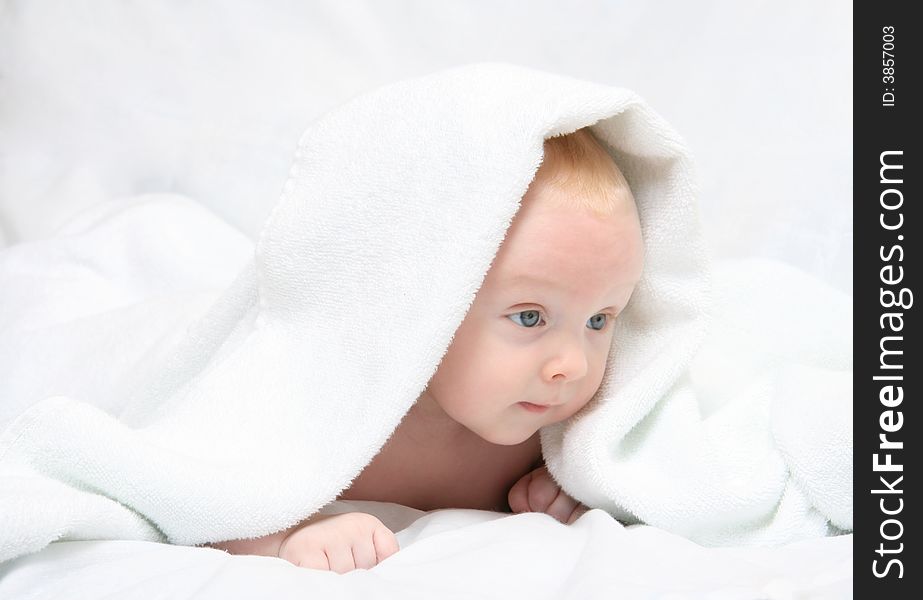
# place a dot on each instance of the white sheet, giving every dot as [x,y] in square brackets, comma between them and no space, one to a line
[450,554]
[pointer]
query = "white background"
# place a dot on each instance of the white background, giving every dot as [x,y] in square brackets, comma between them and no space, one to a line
[108,98]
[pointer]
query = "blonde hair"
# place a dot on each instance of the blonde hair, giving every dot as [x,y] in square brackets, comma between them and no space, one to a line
[578,166]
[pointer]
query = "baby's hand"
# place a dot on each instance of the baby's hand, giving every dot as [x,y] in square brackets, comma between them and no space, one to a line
[339,543]
[536,491]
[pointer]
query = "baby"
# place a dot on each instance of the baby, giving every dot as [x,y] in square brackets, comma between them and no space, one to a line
[530,352]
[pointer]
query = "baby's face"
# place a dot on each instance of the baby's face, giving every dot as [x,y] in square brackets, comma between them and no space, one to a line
[532,349]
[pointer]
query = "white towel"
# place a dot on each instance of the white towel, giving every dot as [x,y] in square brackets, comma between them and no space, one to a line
[291,382]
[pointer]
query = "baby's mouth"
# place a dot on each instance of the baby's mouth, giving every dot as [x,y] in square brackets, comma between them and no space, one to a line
[536,408]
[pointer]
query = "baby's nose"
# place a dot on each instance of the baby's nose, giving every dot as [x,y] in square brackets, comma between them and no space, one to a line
[568,363]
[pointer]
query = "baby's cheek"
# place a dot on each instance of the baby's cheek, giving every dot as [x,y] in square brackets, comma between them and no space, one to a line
[578,404]
[571,411]
[595,379]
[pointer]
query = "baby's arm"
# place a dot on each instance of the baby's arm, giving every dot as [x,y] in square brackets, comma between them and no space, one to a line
[338,543]
[536,491]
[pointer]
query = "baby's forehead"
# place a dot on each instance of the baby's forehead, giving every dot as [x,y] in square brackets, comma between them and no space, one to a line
[526,279]
[548,255]
[546,229]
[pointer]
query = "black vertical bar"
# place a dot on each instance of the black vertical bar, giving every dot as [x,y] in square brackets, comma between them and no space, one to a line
[886,275]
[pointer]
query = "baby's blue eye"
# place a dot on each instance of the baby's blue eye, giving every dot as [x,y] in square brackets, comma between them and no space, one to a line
[529,319]
[600,320]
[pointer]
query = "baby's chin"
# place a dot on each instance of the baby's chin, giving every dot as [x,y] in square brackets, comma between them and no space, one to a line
[506,438]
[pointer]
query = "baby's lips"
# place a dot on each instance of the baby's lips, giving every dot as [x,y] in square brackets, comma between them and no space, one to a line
[533,407]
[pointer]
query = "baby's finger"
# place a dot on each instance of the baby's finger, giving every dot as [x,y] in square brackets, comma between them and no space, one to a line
[518,497]
[578,512]
[542,492]
[385,543]
[364,554]
[562,507]
[340,558]
[313,559]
